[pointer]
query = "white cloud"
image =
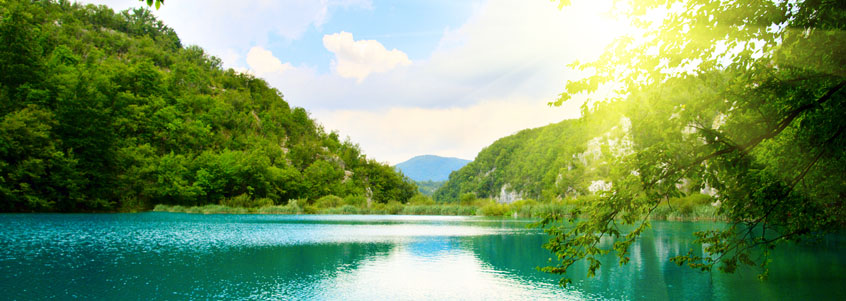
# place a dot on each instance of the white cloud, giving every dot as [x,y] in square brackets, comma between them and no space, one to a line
[487,79]
[506,49]
[262,62]
[224,26]
[358,59]
[397,134]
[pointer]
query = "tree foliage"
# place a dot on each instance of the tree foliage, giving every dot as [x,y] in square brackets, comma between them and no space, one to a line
[103,111]
[745,97]
[545,163]
[157,3]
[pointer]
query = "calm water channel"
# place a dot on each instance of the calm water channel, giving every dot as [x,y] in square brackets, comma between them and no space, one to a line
[182,256]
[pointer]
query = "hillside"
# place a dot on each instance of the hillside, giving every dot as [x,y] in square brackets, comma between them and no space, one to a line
[554,161]
[430,167]
[105,111]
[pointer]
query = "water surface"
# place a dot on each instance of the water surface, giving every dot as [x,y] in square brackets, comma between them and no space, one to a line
[150,256]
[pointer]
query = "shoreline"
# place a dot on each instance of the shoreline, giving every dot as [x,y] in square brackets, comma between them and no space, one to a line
[701,213]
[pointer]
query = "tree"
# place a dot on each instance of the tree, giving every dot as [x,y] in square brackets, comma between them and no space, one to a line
[745,97]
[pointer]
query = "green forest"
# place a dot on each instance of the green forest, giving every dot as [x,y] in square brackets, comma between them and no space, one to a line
[547,163]
[108,111]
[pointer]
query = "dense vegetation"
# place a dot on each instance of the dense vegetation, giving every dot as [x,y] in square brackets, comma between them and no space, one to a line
[430,167]
[104,111]
[428,188]
[546,163]
[745,97]
[567,164]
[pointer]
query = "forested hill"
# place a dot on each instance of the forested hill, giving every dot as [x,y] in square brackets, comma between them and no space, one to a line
[545,163]
[430,167]
[105,111]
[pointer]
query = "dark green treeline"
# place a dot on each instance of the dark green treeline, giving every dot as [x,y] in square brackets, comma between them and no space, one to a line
[105,111]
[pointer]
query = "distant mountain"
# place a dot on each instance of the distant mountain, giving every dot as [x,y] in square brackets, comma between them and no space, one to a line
[430,167]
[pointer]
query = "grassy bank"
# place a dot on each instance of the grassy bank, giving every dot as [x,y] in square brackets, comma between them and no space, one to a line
[467,210]
[693,208]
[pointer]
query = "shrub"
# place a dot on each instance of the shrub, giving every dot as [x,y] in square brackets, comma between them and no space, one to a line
[467,198]
[420,199]
[705,212]
[466,210]
[355,200]
[378,208]
[262,202]
[345,209]
[287,209]
[310,209]
[329,201]
[393,207]
[242,200]
[162,208]
[686,205]
[494,209]
[662,212]
[525,202]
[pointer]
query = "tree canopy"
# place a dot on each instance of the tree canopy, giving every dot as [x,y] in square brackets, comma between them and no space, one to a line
[744,98]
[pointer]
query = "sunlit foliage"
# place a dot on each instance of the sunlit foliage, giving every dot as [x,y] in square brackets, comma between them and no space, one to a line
[744,97]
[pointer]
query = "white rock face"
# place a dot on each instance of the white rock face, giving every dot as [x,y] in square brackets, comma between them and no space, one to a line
[507,197]
[593,152]
[707,189]
[599,185]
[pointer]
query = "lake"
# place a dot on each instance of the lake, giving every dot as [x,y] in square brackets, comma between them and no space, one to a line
[147,256]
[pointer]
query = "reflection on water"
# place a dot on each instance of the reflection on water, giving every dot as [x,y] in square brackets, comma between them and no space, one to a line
[435,269]
[181,256]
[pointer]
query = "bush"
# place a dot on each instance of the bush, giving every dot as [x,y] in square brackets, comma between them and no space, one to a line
[378,208]
[494,209]
[310,209]
[393,207]
[162,208]
[420,199]
[262,202]
[287,209]
[467,198]
[345,209]
[443,209]
[242,200]
[686,205]
[705,212]
[525,202]
[418,210]
[662,212]
[329,201]
[355,200]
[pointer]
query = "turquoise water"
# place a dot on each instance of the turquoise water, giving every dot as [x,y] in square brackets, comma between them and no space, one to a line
[151,256]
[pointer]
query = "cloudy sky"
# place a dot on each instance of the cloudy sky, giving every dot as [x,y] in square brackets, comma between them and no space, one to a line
[404,78]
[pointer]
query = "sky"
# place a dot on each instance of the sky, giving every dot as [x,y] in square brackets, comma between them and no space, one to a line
[405,78]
